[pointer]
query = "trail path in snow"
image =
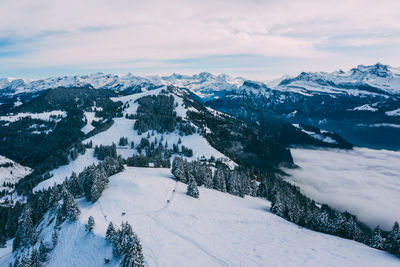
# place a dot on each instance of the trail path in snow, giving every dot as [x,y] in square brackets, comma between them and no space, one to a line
[217,229]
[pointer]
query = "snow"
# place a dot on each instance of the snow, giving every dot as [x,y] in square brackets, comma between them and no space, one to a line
[362,181]
[6,252]
[392,125]
[200,84]
[395,112]
[40,116]
[383,77]
[326,139]
[123,127]
[90,117]
[365,107]
[217,229]
[59,174]
[76,247]
[17,103]
[11,174]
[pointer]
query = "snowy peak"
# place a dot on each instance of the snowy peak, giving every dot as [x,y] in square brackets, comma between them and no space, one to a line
[378,70]
[203,84]
[378,78]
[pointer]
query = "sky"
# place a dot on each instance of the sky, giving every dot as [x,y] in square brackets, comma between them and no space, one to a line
[250,38]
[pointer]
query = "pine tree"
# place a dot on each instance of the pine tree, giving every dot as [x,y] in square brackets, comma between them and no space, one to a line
[376,240]
[178,169]
[207,176]
[277,206]
[139,258]
[128,246]
[74,186]
[110,234]
[25,231]
[219,180]
[35,260]
[192,189]
[70,208]
[3,241]
[42,252]
[16,262]
[25,262]
[393,240]
[54,238]
[90,225]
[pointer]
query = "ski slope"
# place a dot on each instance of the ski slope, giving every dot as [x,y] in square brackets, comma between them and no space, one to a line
[217,229]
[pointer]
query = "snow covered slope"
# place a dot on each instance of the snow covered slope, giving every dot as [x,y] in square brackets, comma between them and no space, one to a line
[363,181]
[11,172]
[217,229]
[123,127]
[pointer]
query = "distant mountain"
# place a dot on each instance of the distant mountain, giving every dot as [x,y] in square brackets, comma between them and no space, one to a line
[102,148]
[362,105]
[374,79]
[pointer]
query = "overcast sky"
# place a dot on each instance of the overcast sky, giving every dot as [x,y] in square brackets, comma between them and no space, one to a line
[253,38]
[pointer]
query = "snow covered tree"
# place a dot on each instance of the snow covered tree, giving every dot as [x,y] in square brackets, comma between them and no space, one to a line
[192,189]
[90,225]
[277,206]
[16,262]
[127,245]
[178,169]
[25,262]
[110,234]
[74,186]
[392,243]
[233,184]
[219,180]
[35,260]
[3,241]
[42,252]
[25,231]
[96,190]
[123,141]
[54,238]
[376,240]
[69,207]
[207,176]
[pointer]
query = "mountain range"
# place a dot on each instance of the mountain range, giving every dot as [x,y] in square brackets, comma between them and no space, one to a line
[84,152]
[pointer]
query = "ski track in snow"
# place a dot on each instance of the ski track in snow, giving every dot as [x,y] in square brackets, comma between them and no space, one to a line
[182,222]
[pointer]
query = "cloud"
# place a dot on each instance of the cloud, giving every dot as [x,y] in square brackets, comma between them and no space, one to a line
[47,33]
[363,181]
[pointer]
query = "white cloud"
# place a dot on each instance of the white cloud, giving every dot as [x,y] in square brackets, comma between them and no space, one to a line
[52,33]
[362,181]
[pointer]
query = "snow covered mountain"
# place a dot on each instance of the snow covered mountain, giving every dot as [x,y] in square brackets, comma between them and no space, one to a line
[374,79]
[362,104]
[107,154]
[205,84]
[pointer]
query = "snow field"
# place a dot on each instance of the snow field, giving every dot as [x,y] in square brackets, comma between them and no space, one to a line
[40,116]
[217,229]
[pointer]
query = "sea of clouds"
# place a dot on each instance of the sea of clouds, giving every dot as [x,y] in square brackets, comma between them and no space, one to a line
[363,181]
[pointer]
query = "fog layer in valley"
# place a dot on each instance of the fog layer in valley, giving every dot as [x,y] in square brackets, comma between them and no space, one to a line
[362,181]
